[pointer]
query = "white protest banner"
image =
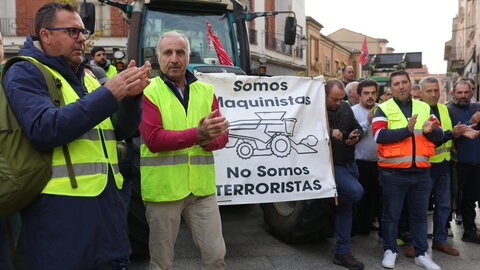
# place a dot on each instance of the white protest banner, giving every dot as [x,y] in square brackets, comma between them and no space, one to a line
[278,141]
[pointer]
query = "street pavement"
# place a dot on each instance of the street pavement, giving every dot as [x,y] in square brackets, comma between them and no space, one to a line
[250,246]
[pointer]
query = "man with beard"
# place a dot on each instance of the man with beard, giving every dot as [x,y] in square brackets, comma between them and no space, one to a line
[468,161]
[366,158]
[406,133]
[344,132]
[77,222]
[99,59]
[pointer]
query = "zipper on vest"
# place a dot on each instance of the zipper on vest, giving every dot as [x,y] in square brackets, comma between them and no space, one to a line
[413,150]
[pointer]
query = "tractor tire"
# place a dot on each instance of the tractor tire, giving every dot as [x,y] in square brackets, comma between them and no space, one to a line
[281,146]
[300,221]
[245,150]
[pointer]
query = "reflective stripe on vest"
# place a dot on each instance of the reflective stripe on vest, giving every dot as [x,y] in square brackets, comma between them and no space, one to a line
[89,160]
[400,154]
[201,160]
[403,159]
[173,175]
[164,160]
[79,169]
[442,152]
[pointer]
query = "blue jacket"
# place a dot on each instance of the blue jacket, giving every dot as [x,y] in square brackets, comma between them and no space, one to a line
[48,127]
[66,232]
[467,149]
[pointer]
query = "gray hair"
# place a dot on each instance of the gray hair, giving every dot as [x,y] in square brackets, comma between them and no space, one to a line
[428,79]
[350,86]
[173,34]
[460,82]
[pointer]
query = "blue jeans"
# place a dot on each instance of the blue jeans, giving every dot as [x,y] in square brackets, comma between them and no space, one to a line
[5,255]
[442,198]
[349,192]
[396,186]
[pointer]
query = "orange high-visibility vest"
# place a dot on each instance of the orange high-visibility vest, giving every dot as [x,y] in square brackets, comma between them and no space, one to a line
[416,148]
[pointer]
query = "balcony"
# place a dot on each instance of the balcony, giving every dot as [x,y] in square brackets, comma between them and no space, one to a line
[25,26]
[275,44]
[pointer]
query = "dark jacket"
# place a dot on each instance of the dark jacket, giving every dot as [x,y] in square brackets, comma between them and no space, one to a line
[344,120]
[467,149]
[95,226]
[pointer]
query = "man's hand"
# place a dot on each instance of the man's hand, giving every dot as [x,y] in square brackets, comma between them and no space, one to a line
[143,81]
[470,132]
[129,82]
[337,134]
[211,127]
[458,130]
[353,137]
[464,130]
[475,118]
[411,123]
[428,126]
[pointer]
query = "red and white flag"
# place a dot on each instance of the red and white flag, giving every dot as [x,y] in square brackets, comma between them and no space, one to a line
[217,44]
[364,53]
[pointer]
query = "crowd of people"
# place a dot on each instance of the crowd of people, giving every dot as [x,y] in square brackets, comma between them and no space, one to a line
[83,225]
[390,158]
[397,157]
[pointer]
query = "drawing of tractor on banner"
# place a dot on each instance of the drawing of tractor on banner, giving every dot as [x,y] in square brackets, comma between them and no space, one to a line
[269,135]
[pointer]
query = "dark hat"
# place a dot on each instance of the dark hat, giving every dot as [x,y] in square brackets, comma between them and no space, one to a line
[100,74]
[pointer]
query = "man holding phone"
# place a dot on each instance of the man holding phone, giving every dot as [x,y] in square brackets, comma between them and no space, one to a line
[344,132]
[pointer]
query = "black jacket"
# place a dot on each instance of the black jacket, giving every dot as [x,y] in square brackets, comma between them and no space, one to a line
[344,120]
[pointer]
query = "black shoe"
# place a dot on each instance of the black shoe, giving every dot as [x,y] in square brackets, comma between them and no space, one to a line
[347,260]
[471,236]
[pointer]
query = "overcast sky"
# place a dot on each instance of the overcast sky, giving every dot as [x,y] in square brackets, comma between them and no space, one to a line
[408,25]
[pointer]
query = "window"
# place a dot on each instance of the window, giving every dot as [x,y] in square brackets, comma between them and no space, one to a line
[327,64]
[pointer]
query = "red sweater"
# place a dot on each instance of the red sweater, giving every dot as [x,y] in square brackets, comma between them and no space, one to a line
[159,139]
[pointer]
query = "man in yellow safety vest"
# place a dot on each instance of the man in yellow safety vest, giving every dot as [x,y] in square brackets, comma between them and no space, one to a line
[181,126]
[73,224]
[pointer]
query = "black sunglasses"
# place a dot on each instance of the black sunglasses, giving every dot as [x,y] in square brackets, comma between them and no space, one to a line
[73,32]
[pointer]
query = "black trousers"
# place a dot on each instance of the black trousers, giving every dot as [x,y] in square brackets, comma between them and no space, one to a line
[469,181]
[370,206]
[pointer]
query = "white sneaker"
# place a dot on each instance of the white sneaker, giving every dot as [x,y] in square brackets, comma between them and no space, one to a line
[389,258]
[426,261]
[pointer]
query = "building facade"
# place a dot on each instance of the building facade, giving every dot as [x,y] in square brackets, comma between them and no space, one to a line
[266,35]
[325,56]
[17,21]
[462,51]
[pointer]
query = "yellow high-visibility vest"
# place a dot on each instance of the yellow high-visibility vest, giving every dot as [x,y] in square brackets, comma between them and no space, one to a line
[442,152]
[89,160]
[111,71]
[173,175]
